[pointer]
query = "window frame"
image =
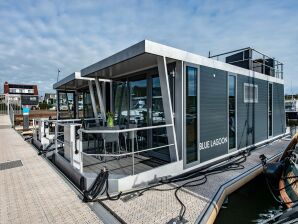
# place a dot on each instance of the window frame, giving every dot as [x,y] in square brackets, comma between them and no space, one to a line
[253,99]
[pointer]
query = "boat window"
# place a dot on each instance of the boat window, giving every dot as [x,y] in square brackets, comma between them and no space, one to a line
[66,104]
[191,114]
[250,93]
[232,111]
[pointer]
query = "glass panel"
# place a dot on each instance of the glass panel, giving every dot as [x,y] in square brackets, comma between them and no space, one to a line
[66,105]
[158,117]
[138,103]
[87,105]
[121,103]
[191,115]
[159,136]
[232,112]
[138,113]
[270,110]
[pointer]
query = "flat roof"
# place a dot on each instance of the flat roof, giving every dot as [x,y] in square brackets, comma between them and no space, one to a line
[143,55]
[73,81]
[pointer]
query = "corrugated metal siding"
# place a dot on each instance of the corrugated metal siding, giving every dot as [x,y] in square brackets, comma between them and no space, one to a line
[244,114]
[278,109]
[252,117]
[213,110]
[261,112]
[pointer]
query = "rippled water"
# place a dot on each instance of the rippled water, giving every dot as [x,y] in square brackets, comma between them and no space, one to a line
[252,203]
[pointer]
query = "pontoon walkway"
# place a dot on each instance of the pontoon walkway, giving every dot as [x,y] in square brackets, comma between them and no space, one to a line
[30,189]
[202,202]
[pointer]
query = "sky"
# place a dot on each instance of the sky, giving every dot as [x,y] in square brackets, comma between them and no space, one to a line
[38,37]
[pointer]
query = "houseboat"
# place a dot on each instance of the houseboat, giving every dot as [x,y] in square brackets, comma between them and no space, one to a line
[152,111]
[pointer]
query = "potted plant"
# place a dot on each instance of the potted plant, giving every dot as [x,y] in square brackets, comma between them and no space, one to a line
[110,119]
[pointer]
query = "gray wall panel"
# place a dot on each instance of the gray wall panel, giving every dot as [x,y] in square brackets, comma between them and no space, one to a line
[278,109]
[252,117]
[244,114]
[261,111]
[213,111]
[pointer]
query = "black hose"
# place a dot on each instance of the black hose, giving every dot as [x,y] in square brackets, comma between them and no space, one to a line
[101,181]
[195,178]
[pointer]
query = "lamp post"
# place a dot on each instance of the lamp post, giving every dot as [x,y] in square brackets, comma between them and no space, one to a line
[58,75]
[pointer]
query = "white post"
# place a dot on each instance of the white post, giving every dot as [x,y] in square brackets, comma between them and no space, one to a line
[93,100]
[100,99]
[167,105]
[56,137]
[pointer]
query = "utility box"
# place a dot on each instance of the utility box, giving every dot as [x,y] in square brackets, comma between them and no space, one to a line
[71,145]
[26,121]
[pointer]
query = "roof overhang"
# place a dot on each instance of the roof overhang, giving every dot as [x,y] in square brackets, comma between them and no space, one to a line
[143,55]
[72,82]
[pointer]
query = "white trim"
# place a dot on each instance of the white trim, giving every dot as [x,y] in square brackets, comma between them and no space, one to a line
[174,53]
[167,105]
[75,76]
[150,47]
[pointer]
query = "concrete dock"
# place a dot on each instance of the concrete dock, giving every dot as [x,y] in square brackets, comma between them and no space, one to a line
[31,191]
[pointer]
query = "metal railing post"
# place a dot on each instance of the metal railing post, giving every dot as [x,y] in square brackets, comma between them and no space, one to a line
[56,136]
[133,154]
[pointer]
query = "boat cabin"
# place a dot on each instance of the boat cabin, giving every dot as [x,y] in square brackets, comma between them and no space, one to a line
[159,111]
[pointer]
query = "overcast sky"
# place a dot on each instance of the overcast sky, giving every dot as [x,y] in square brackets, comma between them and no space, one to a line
[38,37]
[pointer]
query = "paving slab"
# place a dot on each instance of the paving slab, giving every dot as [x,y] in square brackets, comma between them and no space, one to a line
[34,192]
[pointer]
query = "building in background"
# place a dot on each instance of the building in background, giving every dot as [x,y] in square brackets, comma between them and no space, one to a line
[22,89]
[50,98]
[22,95]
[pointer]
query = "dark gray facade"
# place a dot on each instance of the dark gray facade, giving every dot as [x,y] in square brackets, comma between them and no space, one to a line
[278,109]
[213,111]
[251,118]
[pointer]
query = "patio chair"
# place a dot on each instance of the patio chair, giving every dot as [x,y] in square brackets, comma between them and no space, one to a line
[131,137]
[110,138]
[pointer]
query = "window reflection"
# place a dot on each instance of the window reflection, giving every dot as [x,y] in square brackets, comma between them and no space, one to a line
[232,111]
[191,115]
[66,105]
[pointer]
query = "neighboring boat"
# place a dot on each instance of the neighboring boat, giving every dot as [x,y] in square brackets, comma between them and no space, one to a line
[282,179]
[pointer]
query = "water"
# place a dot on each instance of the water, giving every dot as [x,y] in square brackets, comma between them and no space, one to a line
[252,203]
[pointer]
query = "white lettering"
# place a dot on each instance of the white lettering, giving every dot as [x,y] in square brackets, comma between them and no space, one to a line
[213,143]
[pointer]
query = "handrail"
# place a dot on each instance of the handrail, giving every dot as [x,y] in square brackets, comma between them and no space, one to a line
[88,131]
[11,115]
[277,68]
[56,121]
[128,153]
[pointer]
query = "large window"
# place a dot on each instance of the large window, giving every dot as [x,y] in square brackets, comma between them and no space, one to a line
[191,115]
[232,111]
[270,102]
[250,93]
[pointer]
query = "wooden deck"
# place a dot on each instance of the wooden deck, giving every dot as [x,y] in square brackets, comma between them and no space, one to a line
[31,191]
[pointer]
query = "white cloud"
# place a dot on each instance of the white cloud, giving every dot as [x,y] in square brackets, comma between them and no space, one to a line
[37,37]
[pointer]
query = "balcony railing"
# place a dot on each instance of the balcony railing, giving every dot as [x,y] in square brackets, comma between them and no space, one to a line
[252,59]
[124,151]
